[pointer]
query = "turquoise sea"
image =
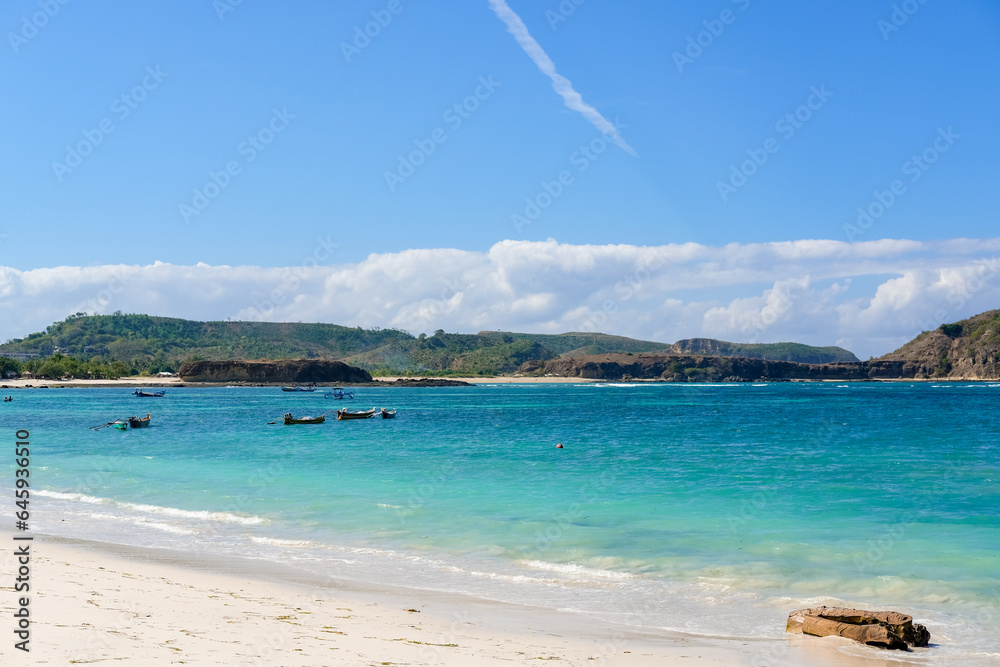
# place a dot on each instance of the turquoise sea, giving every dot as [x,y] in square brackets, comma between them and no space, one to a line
[706,509]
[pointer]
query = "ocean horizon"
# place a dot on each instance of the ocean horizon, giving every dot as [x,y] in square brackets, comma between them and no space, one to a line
[705,509]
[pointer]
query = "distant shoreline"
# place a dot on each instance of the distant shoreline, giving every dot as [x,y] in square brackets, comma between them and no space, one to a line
[166,383]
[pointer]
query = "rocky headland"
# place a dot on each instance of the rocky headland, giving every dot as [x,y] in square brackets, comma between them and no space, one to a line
[293,371]
[965,350]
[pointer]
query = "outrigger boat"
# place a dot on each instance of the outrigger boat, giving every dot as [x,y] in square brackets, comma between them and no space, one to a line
[387,414]
[347,414]
[123,424]
[337,392]
[298,389]
[289,419]
[149,394]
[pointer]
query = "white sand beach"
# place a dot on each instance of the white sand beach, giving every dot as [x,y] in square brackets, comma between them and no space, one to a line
[95,603]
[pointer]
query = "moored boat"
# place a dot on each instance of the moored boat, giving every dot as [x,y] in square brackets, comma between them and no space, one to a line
[138,422]
[337,392]
[298,389]
[387,414]
[149,394]
[363,414]
[289,419]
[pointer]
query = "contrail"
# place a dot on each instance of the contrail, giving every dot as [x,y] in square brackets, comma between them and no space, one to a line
[561,84]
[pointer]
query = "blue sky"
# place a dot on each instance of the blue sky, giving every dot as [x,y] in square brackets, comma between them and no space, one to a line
[200,79]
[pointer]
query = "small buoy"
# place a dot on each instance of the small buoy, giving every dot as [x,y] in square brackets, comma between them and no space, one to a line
[559,446]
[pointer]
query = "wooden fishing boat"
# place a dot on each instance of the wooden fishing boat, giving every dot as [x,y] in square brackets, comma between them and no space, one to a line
[298,389]
[337,392]
[120,424]
[347,414]
[387,414]
[138,422]
[149,394]
[289,419]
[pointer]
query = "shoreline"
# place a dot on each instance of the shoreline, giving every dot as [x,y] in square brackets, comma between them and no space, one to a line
[94,601]
[166,383]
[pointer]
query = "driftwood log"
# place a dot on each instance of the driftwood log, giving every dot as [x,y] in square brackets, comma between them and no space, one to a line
[884,629]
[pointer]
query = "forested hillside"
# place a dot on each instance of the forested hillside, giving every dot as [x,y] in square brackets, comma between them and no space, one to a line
[126,344]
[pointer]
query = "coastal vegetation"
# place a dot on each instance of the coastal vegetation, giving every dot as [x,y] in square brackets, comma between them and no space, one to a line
[86,345]
[795,352]
[60,366]
[106,346]
[110,346]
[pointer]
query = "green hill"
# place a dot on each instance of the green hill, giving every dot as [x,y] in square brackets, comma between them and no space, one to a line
[150,344]
[143,343]
[797,352]
[966,349]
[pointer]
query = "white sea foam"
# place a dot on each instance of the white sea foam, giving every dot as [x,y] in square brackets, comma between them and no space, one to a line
[80,497]
[201,515]
[140,521]
[277,542]
[575,570]
[165,527]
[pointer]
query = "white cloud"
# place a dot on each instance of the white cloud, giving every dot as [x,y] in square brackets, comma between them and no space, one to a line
[572,99]
[868,296]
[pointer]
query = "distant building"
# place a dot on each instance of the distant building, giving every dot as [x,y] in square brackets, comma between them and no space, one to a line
[165,374]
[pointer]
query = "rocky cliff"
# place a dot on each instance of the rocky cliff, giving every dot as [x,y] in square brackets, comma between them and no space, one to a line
[294,371]
[969,349]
